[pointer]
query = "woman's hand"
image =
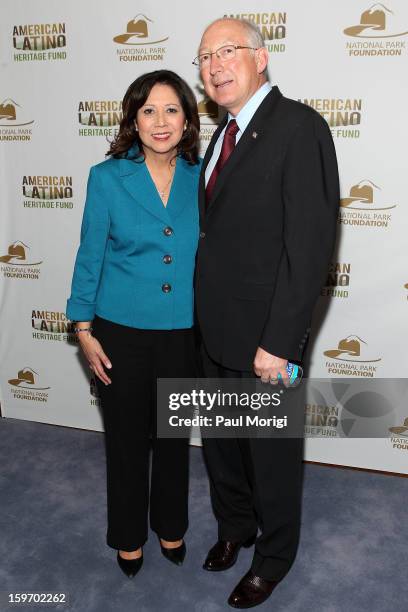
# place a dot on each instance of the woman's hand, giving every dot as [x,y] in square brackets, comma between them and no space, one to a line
[95,355]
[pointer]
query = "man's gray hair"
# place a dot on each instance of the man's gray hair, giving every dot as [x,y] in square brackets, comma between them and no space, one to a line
[253,33]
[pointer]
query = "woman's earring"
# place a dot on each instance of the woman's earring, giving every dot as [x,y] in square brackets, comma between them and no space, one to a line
[185,126]
[136,128]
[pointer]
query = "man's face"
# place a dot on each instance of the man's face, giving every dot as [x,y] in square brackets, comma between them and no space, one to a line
[233,82]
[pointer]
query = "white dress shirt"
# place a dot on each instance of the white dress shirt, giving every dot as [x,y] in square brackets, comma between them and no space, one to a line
[243,118]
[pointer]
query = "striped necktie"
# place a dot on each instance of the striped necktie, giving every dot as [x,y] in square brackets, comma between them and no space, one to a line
[228,145]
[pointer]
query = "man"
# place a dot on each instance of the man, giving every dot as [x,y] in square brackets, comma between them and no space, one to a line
[269,198]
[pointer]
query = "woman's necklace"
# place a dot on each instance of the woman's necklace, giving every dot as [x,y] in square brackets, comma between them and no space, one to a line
[163,192]
[156,174]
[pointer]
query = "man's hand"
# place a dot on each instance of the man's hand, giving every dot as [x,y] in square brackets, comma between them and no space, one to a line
[268,367]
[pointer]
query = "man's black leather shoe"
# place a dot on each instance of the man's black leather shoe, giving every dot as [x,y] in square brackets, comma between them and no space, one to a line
[251,591]
[130,567]
[223,554]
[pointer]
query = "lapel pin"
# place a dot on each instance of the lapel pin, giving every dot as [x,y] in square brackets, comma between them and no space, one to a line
[254,134]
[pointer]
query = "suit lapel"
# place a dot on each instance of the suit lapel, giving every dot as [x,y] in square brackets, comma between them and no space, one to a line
[183,189]
[249,139]
[207,157]
[137,181]
[210,149]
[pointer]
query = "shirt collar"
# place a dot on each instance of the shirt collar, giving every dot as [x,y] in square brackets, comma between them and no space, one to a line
[249,109]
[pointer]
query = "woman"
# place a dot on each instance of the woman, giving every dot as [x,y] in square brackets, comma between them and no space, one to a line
[132,301]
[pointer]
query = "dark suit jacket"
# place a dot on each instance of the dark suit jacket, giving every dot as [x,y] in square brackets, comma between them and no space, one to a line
[267,235]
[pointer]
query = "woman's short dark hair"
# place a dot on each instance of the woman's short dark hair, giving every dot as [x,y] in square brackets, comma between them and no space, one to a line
[135,98]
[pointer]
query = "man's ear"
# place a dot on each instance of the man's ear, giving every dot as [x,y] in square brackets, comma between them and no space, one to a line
[262,57]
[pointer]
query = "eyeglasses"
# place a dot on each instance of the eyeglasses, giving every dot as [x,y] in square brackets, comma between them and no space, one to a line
[224,54]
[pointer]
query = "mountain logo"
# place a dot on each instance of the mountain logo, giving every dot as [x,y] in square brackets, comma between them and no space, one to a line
[140,31]
[8,110]
[16,255]
[352,348]
[26,379]
[8,114]
[362,196]
[401,430]
[374,23]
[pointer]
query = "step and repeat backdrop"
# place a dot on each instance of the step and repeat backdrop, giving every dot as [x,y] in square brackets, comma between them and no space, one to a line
[65,68]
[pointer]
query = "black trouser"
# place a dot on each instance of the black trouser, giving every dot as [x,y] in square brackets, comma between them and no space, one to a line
[256,483]
[138,358]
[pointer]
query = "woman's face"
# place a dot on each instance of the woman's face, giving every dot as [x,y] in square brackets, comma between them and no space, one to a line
[161,120]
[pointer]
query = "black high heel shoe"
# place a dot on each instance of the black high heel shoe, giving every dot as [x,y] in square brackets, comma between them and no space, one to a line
[130,567]
[175,555]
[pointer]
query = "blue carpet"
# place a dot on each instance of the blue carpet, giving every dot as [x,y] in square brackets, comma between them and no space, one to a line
[353,554]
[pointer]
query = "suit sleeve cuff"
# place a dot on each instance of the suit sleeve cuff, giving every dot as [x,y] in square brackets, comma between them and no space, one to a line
[80,312]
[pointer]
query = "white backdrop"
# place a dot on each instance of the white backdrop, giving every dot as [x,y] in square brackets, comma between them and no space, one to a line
[65,68]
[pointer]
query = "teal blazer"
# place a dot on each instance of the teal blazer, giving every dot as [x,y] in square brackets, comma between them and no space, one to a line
[135,262]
